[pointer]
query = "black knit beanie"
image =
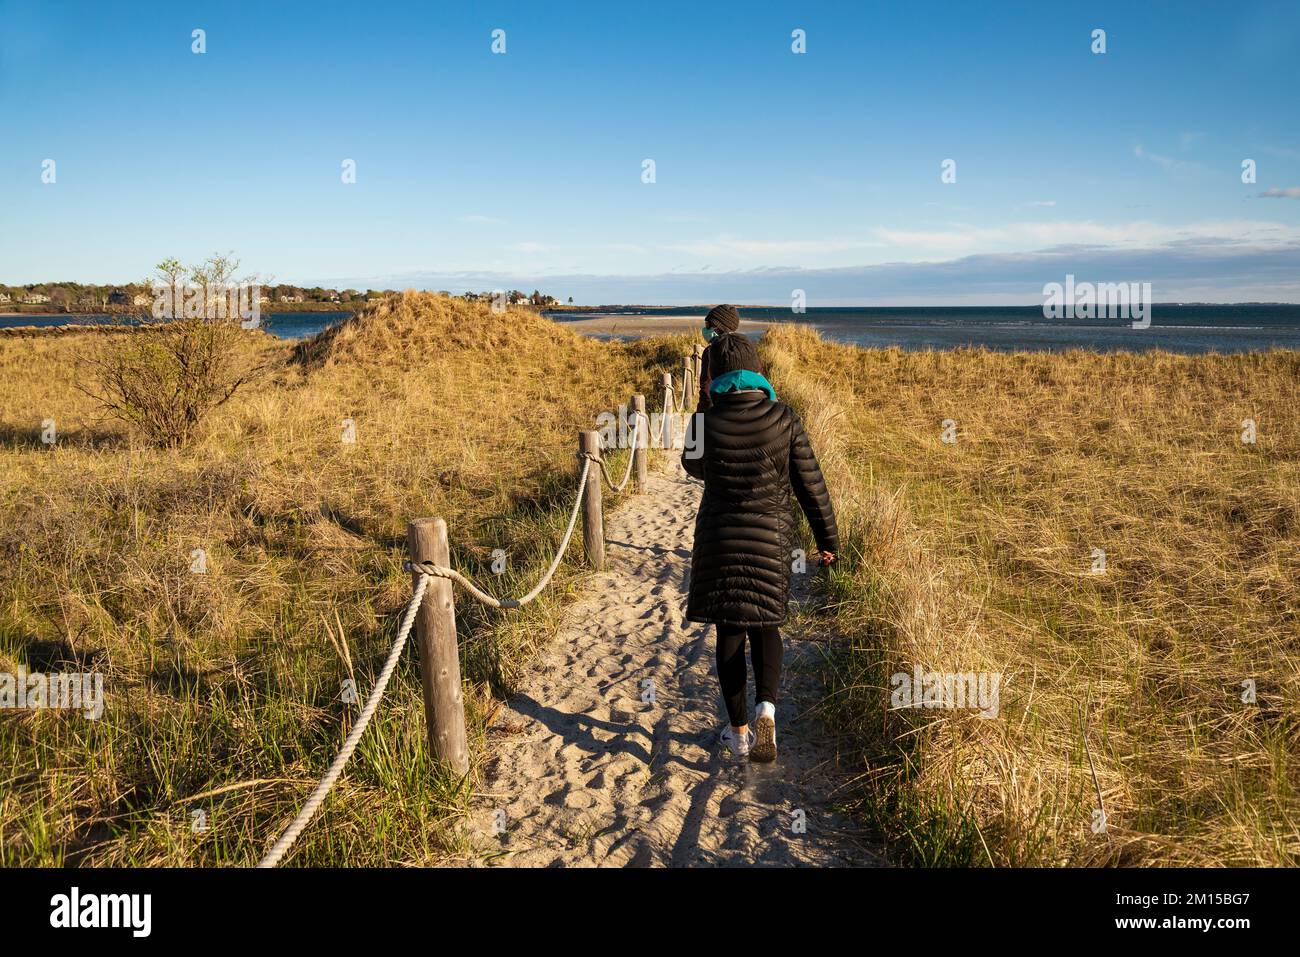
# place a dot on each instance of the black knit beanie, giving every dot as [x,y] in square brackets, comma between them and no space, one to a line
[732,352]
[723,318]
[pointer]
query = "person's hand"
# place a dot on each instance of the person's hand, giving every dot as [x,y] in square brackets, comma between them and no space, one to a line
[827,558]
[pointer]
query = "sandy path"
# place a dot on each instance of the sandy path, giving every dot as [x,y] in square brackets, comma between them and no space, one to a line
[581,770]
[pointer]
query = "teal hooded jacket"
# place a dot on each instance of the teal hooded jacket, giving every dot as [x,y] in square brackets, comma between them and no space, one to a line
[742,379]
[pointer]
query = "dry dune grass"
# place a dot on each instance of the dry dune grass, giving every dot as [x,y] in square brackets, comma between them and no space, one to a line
[232,679]
[224,688]
[978,556]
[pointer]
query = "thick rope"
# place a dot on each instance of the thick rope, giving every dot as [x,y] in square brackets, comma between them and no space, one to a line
[673,413]
[667,431]
[291,833]
[425,571]
[631,456]
[438,571]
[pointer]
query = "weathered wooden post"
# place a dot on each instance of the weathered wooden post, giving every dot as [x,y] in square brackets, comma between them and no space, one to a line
[699,363]
[435,636]
[666,426]
[688,369]
[640,439]
[593,523]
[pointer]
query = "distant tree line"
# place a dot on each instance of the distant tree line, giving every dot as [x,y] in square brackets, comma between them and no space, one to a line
[124,297]
[514,297]
[86,297]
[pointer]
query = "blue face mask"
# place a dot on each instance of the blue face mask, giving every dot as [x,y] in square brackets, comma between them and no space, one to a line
[710,333]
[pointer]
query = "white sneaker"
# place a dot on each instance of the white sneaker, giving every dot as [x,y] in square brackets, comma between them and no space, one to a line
[764,746]
[739,746]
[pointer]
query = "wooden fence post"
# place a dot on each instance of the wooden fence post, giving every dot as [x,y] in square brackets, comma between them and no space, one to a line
[699,363]
[665,438]
[593,524]
[640,439]
[688,367]
[435,636]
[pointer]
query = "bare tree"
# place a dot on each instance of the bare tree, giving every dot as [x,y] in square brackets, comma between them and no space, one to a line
[166,376]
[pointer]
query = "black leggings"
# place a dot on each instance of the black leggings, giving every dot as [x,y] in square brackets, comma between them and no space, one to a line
[764,652]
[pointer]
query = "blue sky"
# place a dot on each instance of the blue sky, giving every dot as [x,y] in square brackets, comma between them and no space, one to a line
[774,170]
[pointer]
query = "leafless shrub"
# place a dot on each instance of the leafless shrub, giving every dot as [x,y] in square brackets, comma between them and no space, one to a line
[166,380]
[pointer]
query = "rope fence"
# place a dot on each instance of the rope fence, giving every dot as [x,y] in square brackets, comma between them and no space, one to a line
[638,418]
[291,833]
[438,571]
[431,612]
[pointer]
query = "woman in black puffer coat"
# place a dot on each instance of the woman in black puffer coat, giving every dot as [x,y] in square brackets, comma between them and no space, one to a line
[751,451]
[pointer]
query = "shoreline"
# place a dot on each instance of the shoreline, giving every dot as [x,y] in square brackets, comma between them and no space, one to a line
[639,327]
[1193,334]
[114,315]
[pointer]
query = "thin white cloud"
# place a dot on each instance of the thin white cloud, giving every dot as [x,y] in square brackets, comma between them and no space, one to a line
[678,218]
[727,248]
[1282,151]
[954,258]
[1164,161]
[1207,269]
[963,237]
[1290,192]
[1169,163]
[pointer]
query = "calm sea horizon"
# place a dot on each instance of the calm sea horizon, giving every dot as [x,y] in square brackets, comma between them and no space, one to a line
[1186,328]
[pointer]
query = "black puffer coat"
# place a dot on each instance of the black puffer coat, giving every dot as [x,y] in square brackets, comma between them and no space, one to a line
[754,451]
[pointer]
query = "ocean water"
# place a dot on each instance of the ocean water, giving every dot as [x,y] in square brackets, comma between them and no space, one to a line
[1174,327]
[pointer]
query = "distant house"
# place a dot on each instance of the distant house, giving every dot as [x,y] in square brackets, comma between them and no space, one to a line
[290,297]
[35,298]
[4,297]
[142,299]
